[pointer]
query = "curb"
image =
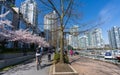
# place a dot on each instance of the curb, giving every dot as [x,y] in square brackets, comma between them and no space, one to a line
[50,70]
[62,73]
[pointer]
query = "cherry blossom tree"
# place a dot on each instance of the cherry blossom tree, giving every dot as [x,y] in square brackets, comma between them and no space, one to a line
[27,37]
[24,36]
[4,23]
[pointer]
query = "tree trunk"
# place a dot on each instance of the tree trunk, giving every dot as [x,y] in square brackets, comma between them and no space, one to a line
[61,45]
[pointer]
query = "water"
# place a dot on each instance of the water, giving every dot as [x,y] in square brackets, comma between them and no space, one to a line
[99,55]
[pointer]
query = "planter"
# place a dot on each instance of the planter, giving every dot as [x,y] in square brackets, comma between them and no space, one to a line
[62,69]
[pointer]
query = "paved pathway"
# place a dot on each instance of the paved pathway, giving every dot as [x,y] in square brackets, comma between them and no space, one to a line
[86,66]
[29,68]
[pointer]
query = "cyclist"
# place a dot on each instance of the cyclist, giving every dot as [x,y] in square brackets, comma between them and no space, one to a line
[38,57]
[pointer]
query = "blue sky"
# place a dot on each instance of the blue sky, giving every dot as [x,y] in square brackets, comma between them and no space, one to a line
[107,10]
[98,10]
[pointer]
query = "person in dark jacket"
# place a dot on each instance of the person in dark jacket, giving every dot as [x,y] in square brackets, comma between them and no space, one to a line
[49,55]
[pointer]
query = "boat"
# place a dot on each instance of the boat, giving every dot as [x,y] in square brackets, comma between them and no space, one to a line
[108,55]
[118,55]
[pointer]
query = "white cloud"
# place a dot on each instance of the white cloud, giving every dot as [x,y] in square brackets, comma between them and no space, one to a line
[109,11]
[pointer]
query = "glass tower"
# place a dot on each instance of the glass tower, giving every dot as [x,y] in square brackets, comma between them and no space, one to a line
[29,11]
[50,28]
[114,37]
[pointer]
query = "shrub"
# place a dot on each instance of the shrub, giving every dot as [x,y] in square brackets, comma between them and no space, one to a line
[66,59]
[56,57]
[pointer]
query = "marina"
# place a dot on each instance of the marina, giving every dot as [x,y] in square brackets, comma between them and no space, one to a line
[103,55]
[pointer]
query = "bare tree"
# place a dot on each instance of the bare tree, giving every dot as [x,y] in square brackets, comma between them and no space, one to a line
[66,10]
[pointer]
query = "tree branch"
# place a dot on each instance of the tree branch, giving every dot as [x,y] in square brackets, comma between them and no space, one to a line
[69,5]
[45,3]
[53,7]
[62,6]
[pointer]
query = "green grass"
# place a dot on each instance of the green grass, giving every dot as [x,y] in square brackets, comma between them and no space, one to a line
[7,68]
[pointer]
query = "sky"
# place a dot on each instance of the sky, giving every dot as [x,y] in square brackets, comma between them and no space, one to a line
[107,11]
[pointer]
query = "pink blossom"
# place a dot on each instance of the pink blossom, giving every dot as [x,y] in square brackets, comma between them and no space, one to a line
[19,35]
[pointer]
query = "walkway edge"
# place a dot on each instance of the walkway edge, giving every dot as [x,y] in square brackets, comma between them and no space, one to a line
[50,70]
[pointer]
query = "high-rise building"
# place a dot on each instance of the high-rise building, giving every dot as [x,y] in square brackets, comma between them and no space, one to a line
[74,31]
[114,37]
[7,5]
[70,40]
[83,42]
[29,11]
[91,39]
[4,4]
[95,39]
[110,39]
[88,34]
[9,2]
[51,27]
[0,8]
[119,32]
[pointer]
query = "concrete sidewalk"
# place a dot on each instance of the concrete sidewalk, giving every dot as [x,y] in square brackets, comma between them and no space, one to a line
[29,68]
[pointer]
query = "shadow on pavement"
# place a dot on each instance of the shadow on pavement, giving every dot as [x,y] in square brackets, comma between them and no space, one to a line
[46,65]
[1,73]
[27,67]
[74,60]
[28,61]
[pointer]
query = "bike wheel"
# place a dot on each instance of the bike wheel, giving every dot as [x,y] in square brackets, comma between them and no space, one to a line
[38,62]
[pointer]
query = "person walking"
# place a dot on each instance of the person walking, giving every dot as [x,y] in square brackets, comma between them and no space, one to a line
[49,55]
[71,52]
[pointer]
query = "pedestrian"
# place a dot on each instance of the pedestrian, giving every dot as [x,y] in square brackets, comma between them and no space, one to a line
[41,49]
[71,52]
[65,52]
[49,55]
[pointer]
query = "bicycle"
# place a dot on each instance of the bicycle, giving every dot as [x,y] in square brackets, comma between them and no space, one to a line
[38,58]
